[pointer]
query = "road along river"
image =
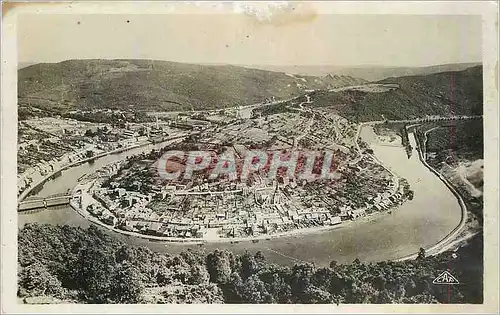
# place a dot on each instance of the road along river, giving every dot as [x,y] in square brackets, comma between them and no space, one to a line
[422,222]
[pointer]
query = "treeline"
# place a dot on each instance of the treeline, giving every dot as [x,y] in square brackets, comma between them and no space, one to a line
[89,266]
[464,139]
[417,96]
[454,143]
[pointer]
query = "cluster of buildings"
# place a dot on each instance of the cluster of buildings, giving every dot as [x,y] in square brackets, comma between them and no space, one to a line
[230,209]
[227,209]
[47,145]
[200,209]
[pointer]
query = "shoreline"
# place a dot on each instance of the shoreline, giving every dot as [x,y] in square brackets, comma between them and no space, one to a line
[27,192]
[198,241]
[439,246]
[444,244]
[294,232]
[450,237]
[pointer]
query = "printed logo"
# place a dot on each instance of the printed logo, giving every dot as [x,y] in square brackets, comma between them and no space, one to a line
[445,278]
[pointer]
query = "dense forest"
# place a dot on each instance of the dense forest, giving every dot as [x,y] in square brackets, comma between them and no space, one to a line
[69,264]
[464,139]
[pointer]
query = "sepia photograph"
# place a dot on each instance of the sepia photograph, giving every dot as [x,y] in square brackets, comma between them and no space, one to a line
[288,153]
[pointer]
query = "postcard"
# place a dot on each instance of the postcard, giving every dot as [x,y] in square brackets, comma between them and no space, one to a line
[262,157]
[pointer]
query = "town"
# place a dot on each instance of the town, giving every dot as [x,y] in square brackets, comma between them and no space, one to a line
[132,197]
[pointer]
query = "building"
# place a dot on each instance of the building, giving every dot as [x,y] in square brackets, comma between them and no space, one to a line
[129,133]
[335,220]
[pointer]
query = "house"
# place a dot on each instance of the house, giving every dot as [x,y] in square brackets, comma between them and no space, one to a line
[153,227]
[215,224]
[128,133]
[141,226]
[109,219]
[129,225]
[95,210]
[335,220]
[286,220]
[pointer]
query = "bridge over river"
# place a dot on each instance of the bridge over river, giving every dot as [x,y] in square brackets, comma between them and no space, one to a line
[38,203]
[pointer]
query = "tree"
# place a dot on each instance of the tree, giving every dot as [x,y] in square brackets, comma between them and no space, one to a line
[322,278]
[248,265]
[36,280]
[219,266]
[363,292]
[127,284]
[410,194]
[259,257]
[198,275]
[89,264]
[163,276]
[253,290]
[94,273]
[191,258]
[385,297]
[421,254]
[276,280]
[232,289]
[400,292]
[314,295]
[89,133]
[125,253]
[300,280]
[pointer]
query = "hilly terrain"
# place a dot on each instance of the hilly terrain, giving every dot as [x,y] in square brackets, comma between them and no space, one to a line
[369,73]
[446,93]
[141,85]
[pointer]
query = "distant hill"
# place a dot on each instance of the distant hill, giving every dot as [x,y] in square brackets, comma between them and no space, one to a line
[21,65]
[157,85]
[369,73]
[446,93]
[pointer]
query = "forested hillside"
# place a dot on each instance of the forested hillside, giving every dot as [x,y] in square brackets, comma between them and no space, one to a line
[465,139]
[446,93]
[156,85]
[71,264]
[370,73]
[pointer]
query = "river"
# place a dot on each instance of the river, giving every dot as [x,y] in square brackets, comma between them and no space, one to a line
[421,222]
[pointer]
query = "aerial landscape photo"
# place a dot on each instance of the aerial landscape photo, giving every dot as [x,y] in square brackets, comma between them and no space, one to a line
[337,160]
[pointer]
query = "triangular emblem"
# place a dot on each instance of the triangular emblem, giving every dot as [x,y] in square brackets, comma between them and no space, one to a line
[445,278]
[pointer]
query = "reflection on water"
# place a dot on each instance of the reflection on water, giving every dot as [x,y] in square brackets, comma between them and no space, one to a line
[421,222]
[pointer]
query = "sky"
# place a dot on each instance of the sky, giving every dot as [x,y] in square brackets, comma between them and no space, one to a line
[305,38]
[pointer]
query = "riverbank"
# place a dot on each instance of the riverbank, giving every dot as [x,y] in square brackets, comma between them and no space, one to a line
[421,222]
[140,144]
[26,193]
[450,238]
[82,188]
